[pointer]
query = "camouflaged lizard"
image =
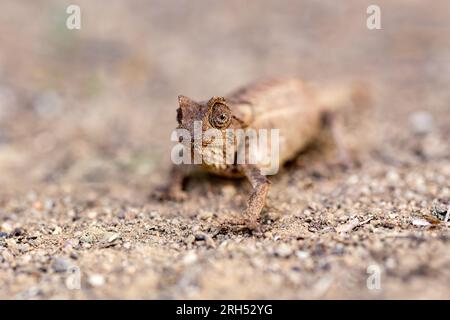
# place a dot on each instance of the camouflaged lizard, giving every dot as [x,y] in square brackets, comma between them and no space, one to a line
[297,110]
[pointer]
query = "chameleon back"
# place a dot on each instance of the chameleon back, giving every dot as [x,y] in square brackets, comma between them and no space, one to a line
[286,105]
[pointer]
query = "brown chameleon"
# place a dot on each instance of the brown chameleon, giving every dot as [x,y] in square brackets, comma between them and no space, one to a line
[297,110]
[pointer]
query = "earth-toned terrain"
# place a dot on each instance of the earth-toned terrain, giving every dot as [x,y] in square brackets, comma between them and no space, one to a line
[85,122]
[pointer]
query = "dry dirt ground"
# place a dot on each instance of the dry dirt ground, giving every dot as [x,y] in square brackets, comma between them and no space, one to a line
[85,118]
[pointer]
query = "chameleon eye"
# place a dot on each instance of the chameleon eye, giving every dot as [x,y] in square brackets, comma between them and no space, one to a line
[223,118]
[220,117]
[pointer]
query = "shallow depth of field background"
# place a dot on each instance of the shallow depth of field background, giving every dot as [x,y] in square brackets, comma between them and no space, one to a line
[88,105]
[85,121]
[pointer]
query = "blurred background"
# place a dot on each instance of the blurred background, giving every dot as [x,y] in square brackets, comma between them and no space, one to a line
[85,123]
[97,105]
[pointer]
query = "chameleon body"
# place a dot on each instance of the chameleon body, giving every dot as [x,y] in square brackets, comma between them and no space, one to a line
[298,111]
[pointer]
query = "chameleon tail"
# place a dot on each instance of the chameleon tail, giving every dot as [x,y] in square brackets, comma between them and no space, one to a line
[355,96]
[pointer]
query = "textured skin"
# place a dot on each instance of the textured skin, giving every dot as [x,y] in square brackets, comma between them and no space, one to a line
[286,104]
[280,104]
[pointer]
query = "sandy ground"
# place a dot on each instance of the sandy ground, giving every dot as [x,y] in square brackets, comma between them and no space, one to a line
[85,118]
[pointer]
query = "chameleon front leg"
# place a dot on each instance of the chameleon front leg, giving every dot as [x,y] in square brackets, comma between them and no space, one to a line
[174,189]
[257,199]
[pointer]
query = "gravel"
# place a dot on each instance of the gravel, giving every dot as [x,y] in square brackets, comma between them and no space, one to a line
[80,155]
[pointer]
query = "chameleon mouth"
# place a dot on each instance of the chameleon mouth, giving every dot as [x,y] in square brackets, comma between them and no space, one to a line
[179,115]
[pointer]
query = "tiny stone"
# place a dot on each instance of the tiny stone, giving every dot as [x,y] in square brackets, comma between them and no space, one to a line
[113,237]
[60,265]
[86,245]
[57,230]
[273,215]
[440,211]
[338,249]
[421,122]
[154,214]
[392,176]
[200,236]
[205,215]
[49,204]
[23,247]
[283,250]
[229,191]
[302,254]
[189,258]
[420,222]
[210,242]
[38,205]
[96,280]
[6,227]
[390,263]
[307,213]
[92,214]
[17,232]
[12,245]
[353,179]
[86,239]
[127,245]
[7,256]
[129,215]
[190,239]
[268,235]
[3,234]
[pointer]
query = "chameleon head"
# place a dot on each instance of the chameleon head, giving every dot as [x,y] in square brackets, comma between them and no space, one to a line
[213,117]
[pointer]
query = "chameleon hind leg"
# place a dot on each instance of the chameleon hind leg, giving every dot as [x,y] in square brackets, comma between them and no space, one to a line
[331,122]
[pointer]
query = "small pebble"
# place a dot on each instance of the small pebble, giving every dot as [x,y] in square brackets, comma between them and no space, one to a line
[6,227]
[130,215]
[392,176]
[60,265]
[421,122]
[56,231]
[92,214]
[17,232]
[273,215]
[200,236]
[283,250]
[229,191]
[268,235]
[96,280]
[86,239]
[205,215]
[420,222]
[113,237]
[190,239]
[189,258]
[302,254]
[127,245]
[440,211]
[154,214]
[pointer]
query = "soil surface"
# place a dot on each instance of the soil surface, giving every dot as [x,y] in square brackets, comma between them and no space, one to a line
[85,121]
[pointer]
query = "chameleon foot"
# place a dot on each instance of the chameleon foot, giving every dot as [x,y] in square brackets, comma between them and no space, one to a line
[170,195]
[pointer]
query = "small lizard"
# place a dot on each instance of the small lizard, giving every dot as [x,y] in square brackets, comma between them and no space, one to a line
[297,110]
